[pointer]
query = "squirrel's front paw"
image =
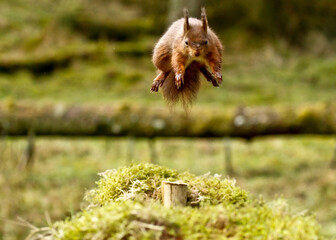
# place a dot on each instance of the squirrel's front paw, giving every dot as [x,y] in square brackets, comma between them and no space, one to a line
[179,79]
[218,77]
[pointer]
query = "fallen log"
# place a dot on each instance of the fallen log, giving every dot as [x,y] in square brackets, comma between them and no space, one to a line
[139,121]
[46,62]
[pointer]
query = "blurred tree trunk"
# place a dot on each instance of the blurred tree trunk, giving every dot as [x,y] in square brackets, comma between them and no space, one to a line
[271,18]
[175,9]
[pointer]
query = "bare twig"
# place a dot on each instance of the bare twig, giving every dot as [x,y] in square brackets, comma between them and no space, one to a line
[148,226]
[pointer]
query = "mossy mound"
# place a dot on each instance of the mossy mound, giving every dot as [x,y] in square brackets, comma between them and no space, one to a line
[126,205]
[144,181]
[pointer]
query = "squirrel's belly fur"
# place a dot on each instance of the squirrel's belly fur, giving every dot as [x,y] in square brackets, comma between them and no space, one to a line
[201,60]
[189,89]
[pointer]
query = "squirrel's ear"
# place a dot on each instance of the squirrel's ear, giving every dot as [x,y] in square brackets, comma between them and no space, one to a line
[186,20]
[204,19]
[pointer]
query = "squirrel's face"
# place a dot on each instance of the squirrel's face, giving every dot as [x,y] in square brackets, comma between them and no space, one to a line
[195,44]
[195,35]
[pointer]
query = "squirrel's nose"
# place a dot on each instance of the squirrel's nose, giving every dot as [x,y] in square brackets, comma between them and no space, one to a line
[197,54]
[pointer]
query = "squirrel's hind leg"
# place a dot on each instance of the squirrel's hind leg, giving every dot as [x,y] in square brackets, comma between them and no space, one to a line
[208,76]
[158,81]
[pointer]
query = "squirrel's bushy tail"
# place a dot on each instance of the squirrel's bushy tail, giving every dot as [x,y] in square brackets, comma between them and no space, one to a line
[188,91]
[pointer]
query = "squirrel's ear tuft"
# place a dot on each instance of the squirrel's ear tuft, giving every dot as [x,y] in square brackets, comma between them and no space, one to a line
[186,20]
[204,19]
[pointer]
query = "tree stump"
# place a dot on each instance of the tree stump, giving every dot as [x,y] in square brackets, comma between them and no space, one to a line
[174,194]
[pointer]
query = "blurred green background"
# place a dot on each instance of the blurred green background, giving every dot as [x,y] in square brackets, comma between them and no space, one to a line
[277,53]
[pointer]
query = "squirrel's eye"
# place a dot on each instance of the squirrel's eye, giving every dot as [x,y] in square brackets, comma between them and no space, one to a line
[206,42]
[186,43]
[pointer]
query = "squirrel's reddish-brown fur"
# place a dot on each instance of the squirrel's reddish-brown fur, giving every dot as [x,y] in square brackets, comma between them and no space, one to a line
[188,47]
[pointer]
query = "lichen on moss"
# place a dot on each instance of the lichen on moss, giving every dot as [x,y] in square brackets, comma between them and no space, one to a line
[126,205]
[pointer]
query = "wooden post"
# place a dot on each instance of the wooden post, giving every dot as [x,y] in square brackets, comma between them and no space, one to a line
[333,160]
[228,157]
[174,194]
[107,144]
[3,141]
[27,160]
[130,149]
[152,151]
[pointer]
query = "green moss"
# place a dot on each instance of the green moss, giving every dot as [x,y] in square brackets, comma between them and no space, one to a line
[144,180]
[135,220]
[129,209]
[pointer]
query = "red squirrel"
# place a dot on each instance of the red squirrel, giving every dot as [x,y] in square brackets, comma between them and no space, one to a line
[187,48]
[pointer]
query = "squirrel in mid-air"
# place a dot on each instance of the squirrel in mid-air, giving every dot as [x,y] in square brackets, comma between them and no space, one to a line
[187,48]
